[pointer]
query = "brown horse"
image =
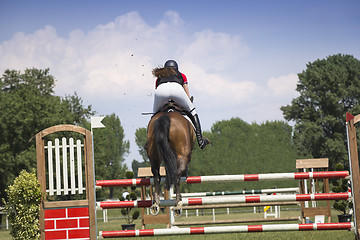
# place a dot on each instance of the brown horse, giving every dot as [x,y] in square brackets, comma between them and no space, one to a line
[170,140]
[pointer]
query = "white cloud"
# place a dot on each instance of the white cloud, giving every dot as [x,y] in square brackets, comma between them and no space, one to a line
[217,88]
[215,51]
[110,68]
[283,85]
[116,58]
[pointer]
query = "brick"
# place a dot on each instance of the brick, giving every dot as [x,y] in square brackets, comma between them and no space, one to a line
[79,233]
[50,235]
[55,213]
[67,223]
[49,224]
[84,222]
[78,212]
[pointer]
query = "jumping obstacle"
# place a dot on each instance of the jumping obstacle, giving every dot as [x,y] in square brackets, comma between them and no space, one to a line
[75,219]
[312,210]
[232,199]
[227,229]
[226,178]
[354,168]
[88,222]
[253,220]
[243,192]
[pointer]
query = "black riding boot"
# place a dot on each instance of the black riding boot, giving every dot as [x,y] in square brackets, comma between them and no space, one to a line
[201,141]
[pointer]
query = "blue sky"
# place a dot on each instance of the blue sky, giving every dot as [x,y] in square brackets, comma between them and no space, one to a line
[241,57]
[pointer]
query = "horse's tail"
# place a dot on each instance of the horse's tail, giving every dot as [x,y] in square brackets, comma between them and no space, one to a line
[165,152]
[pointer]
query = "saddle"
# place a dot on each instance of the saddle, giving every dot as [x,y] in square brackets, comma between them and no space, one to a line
[172,106]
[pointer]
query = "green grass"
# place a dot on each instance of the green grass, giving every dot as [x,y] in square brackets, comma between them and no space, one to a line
[293,235]
[5,235]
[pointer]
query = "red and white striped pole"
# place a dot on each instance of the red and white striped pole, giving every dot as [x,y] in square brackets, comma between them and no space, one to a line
[227,178]
[229,199]
[228,229]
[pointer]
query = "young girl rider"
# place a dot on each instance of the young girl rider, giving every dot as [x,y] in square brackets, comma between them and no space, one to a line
[171,84]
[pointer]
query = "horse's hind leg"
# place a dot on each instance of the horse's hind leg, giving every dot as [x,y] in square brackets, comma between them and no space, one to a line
[154,209]
[156,172]
[182,169]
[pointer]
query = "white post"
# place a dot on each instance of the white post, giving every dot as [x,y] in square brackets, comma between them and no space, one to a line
[7,221]
[172,216]
[65,167]
[79,166]
[277,211]
[265,212]
[50,168]
[95,123]
[313,203]
[72,166]
[57,167]
[306,203]
[105,216]
[214,214]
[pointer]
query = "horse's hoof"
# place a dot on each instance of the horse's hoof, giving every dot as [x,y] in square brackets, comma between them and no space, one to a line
[155,209]
[178,211]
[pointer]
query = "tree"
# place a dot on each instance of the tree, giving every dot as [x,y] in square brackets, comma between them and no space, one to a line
[110,150]
[328,89]
[241,148]
[140,139]
[28,105]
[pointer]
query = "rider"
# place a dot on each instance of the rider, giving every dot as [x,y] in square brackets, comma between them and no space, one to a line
[171,84]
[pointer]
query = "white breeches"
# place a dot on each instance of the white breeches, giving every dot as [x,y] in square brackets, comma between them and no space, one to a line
[174,91]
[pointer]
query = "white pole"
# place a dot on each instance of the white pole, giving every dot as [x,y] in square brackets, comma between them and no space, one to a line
[95,123]
[172,216]
[306,203]
[313,203]
[227,229]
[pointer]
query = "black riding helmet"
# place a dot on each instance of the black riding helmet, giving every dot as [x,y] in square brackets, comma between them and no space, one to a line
[171,64]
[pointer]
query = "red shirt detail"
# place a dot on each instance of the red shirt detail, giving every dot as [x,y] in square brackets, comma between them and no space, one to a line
[184,77]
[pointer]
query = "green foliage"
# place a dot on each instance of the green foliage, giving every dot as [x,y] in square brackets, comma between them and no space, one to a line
[130,213]
[135,165]
[23,206]
[328,89]
[129,174]
[141,139]
[341,185]
[241,148]
[27,106]
[110,150]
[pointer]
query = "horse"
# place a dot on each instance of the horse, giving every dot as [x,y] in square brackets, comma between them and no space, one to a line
[170,141]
